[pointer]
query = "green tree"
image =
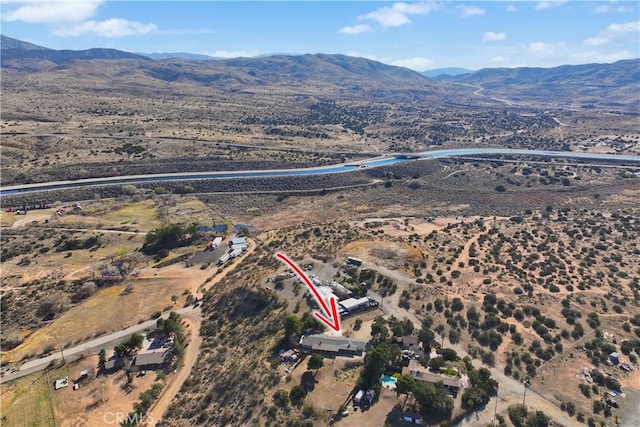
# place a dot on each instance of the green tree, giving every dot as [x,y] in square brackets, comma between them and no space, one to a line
[296,394]
[315,362]
[404,384]
[434,400]
[427,338]
[281,398]
[379,331]
[292,325]
[375,362]
[102,359]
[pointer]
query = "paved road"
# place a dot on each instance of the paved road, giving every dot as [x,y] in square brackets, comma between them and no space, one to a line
[86,348]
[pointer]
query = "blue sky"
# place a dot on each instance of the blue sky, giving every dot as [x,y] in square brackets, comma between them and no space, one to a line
[418,35]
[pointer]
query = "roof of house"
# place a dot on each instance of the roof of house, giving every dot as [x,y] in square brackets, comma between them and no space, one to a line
[152,357]
[351,303]
[332,344]
[326,293]
[112,364]
[238,241]
[409,340]
[420,373]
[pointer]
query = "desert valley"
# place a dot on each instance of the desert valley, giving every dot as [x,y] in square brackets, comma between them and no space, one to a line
[478,236]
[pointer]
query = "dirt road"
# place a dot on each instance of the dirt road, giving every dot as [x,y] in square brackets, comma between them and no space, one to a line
[510,391]
[154,415]
[194,320]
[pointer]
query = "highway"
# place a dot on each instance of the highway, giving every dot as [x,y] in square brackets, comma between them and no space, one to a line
[321,170]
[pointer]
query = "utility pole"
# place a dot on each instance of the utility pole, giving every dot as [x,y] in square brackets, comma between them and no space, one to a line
[524,408]
[495,411]
[62,353]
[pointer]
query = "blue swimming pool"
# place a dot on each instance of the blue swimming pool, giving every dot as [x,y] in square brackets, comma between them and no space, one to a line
[388,379]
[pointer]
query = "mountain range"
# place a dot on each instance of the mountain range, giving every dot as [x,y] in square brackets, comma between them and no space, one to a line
[445,73]
[177,55]
[600,85]
[16,49]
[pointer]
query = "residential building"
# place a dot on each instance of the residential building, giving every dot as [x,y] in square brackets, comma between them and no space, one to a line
[152,359]
[332,346]
[420,373]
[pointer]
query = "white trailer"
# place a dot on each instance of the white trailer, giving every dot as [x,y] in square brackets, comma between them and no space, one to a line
[216,242]
[224,258]
[353,305]
[235,253]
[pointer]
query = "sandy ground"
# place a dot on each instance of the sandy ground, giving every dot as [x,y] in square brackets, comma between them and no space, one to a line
[376,416]
[408,226]
[193,322]
[99,401]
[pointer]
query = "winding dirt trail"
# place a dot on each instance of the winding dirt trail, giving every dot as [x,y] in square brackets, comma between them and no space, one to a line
[154,415]
[194,320]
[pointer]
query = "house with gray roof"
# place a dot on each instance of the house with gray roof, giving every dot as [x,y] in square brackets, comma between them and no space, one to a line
[333,345]
[420,373]
[152,359]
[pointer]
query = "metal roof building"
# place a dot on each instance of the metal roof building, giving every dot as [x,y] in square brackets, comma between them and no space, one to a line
[152,357]
[333,345]
[326,293]
[352,304]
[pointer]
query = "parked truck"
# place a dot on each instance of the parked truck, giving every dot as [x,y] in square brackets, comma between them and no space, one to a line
[235,253]
[224,258]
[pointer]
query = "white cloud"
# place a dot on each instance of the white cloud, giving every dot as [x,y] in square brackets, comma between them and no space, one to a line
[355,29]
[596,41]
[602,8]
[234,53]
[417,63]
[109,28]
[605,8]
[511,9]
[600,57]
[188,31]
[548,4]
[466,11]
[398,14]
[542,48]
[53,12]
[490,36]
[71,18]
[613,32]
[499,58]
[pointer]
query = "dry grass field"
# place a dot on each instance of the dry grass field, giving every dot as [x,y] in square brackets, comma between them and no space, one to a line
[28,401]
[56,277]
[102,400]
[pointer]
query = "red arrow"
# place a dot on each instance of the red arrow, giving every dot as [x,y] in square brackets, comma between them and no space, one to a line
[329,316]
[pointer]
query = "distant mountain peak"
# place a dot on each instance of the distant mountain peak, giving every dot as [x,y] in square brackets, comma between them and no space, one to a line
[7,42]
[449,71]
[177,55]
[15,50]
